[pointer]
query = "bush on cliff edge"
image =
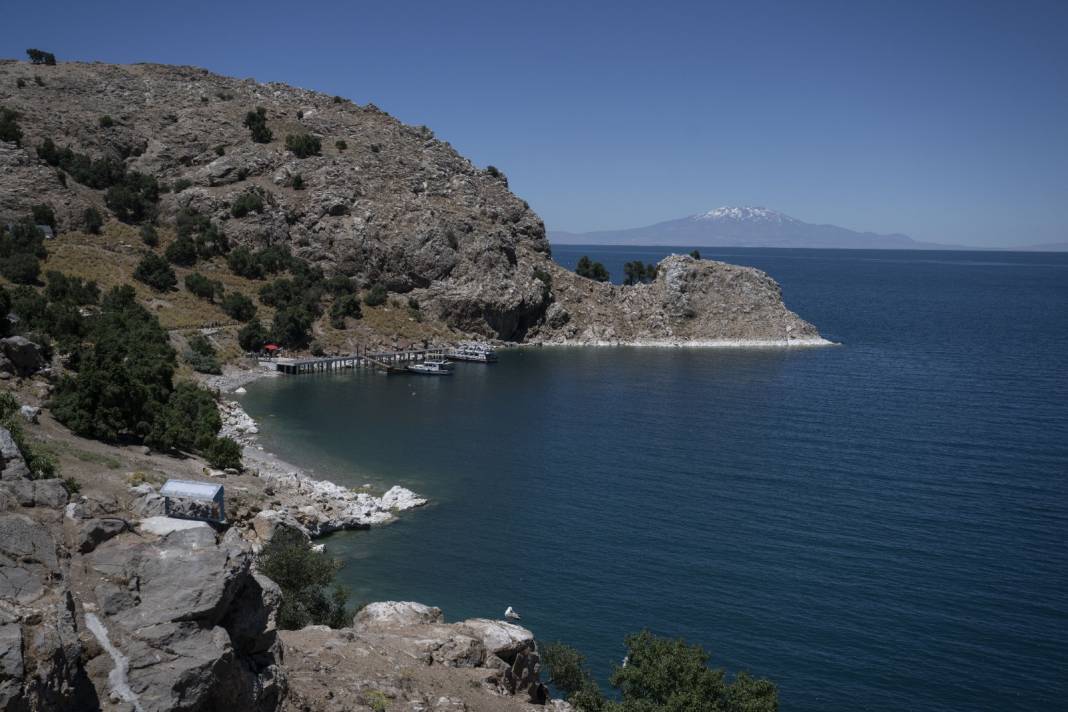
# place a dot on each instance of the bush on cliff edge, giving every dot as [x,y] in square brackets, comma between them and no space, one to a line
[303,576]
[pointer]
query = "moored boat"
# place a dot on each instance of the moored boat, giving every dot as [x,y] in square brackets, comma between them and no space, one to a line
[430,368]
[472,351]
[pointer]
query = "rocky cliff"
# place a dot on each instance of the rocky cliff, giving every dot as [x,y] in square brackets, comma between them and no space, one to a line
[382,202]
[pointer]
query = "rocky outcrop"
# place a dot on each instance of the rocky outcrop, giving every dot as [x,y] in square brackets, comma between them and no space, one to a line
[21,356]
[405,655]
[691,302]
[192,621]
[12,464]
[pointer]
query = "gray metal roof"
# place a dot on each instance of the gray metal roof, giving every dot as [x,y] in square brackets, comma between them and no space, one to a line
[191,489]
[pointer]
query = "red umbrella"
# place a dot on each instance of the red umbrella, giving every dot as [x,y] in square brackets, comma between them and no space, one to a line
[271,347]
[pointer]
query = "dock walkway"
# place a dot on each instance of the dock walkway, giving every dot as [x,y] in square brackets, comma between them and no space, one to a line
[382,360]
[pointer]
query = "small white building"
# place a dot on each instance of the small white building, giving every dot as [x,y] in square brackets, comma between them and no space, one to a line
[189,499]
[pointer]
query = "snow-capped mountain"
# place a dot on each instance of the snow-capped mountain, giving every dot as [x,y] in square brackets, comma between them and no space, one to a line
[741,226]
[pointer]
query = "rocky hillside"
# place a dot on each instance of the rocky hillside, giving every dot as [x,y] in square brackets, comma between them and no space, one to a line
[379,201]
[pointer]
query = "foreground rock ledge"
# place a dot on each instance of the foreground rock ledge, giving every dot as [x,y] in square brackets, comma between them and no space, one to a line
[403,654]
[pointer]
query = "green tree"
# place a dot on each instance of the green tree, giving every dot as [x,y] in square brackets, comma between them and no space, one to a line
[238,307]
[187,422]
[70,289]
[292,326]
[183,252]
[256,121]
[566,667]
[252,336]
[109,403]
[149,236]
[203,287]
[376,295]
[303,576]
[248,202]
[154,271]
[591,270]
[41,57]
[243,263]
[21,268]
[303,145]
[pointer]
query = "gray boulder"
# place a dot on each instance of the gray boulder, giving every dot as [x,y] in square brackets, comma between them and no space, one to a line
[28,559]
[12,464]
[396,613]
[30,413]
[504,640]
[93,532]
[24,355]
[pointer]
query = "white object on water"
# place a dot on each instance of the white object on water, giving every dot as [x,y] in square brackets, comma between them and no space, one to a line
[511,615]
[240,391]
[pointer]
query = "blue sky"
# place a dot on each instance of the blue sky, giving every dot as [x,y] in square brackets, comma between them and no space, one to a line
[947,121]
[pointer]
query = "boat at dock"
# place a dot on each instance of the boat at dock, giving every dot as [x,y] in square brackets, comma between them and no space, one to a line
[472,351]
[430,368]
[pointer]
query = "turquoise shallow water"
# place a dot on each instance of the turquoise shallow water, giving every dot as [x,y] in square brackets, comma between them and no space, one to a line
[876,526]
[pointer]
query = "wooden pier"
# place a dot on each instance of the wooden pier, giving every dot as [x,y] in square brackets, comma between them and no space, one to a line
[383,360]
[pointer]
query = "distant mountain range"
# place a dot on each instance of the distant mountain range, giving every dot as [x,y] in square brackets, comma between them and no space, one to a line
[744,227]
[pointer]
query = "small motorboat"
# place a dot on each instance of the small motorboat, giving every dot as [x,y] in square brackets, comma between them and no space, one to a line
[430,368]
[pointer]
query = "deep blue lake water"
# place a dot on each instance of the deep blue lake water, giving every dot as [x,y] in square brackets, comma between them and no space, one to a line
[876,526]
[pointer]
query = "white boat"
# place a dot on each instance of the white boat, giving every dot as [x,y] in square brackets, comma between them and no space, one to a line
[430,368]
[472,351]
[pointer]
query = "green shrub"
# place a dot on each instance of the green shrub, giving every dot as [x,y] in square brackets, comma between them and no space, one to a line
[154,271]
[346,305]
[201,286]
[41,57]
[303,576]
[256,121]
[298,182]
[376,295]
[243,263]
[92,220]
[341,145]
[696,254]
[38,81]
[247,203]
[238,307]
[44,215]
[183,251]
[303,145]
[149,236]
[134,199]
[41,462]
[70,289]
[21,268]
[181,184]
[224,454]
[220,150]
[106,122]
[20,83]
[202,356]
[9,126]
